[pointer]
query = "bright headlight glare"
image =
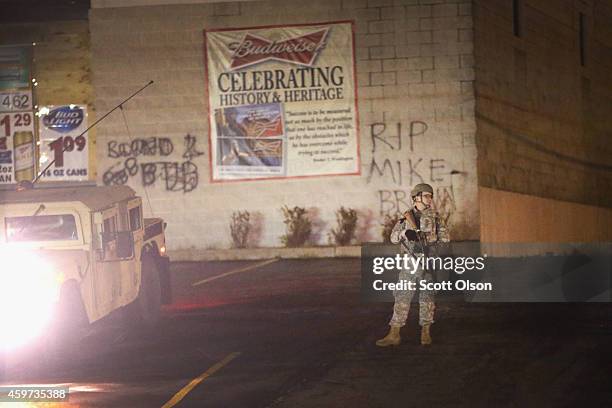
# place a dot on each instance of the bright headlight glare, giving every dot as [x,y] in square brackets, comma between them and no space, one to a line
[29,290]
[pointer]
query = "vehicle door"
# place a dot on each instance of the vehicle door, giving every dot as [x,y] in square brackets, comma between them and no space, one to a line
[134,224]
[114,262]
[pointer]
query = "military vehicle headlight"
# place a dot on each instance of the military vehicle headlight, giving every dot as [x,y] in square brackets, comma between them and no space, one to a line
[29,291]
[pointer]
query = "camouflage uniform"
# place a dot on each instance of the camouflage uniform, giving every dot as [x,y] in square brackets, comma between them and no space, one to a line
[433,231]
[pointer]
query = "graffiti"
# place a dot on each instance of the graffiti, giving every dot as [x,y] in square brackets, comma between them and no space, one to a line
[433,174]
[392,202]
[152,146]
[392,140]
[378,133]
[393,171]
[444,201]
[400,170]
[382,172]
[190,148]
[414,172]
[409,169]
[176,176]
[112,176]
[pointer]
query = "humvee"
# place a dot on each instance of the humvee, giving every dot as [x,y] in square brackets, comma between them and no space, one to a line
[71,255]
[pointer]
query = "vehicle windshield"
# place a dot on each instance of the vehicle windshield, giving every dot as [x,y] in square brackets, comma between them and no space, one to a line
[60,227]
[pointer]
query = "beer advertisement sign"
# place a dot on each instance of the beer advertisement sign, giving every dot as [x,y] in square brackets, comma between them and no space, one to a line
[60,129]
[282,101]
[16,137]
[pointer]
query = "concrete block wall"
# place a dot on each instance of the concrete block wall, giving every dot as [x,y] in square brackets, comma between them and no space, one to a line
[544,120]
[415,73]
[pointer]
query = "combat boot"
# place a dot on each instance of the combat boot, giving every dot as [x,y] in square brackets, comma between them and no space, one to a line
[425,335]
[391,339]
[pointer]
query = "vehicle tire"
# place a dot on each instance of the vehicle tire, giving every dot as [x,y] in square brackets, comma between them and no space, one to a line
[63,338]
[72,315]
[148,303]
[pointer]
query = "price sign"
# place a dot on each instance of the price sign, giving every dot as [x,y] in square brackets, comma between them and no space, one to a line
[16,101]
[61,141]
[16,147]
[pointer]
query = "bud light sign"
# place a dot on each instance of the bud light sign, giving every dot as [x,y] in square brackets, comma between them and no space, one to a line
[64,143]
[64,119]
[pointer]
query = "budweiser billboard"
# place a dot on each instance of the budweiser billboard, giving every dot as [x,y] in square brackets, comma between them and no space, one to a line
[282,101]
[302,49]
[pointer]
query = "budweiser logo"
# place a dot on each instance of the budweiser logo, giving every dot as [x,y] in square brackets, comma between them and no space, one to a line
[302,50]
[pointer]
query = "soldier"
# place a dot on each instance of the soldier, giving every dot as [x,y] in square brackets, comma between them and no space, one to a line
[417,231]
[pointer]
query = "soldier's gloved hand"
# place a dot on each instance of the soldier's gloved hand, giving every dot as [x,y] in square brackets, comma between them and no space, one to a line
[411,235]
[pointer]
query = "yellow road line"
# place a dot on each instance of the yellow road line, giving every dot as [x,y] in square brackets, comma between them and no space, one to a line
[246,268]
[186,389]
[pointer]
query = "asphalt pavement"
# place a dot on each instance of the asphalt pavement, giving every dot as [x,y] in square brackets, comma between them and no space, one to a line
[295,333]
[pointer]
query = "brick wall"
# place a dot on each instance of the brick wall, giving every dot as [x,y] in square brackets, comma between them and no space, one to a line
[414,70]
[61,65]
[544,120]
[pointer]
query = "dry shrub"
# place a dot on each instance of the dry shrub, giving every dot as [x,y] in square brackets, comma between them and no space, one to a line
[298,226]
[344,232]
[240,228]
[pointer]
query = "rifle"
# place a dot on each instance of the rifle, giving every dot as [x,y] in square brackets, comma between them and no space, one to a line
[420,236]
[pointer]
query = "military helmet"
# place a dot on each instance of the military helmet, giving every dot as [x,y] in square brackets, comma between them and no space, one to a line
[421,188]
